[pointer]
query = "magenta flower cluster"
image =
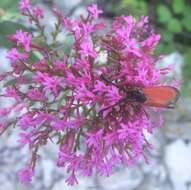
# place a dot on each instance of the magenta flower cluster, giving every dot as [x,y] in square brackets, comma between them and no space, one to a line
[71,93]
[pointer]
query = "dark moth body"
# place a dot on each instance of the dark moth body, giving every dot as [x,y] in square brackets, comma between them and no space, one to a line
[136,95]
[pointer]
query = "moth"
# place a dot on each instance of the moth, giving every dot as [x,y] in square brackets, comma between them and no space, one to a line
[154,96]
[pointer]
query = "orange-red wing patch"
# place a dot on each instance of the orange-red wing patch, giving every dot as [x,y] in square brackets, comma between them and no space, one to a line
[161,96]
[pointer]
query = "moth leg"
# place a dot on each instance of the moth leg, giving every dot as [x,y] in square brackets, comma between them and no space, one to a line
[112,106]
[106,80]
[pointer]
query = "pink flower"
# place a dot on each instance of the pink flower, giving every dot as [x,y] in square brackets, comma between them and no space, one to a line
[81,64]
[32,119]
[72,180]
[87,28]
[106,168]
[94,139]
[3,76]
[25,175]
[86,48]
[93,109]
[59,124]
[124,22]
[100,87]
[86,76]
[94,11]
[60,65]
[58,14]
[72,26]
[23,38]
[132,47]
[113,95]
[41,65]
[5,111]
[99,26]
[26,120]
[24,5]
[22,80]
[143,22]
[12,92]
[25,138]
[64,156]
[128,131]
[51,83]
[20,106]
[71,80]
[38,12]
[14,55]
[84,95]
[150,43]
[35,94]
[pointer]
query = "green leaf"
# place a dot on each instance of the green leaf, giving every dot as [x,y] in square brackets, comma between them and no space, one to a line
[7,28]
[159,49]
[10,82]
[169,48]
[178,6]
[167,36]
[187,23]
[69,40]
[187,11]
[174,26]
[133,7]
[36,55]
[165,48]
[34,1]
[9,5]
[163,13]
[187,18]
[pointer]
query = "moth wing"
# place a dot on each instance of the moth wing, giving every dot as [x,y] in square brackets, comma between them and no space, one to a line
[161,96]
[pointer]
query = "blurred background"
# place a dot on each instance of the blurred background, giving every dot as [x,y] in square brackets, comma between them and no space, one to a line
[170,160]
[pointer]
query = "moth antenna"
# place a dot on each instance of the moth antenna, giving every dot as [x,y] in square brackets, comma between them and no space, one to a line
[106,80]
